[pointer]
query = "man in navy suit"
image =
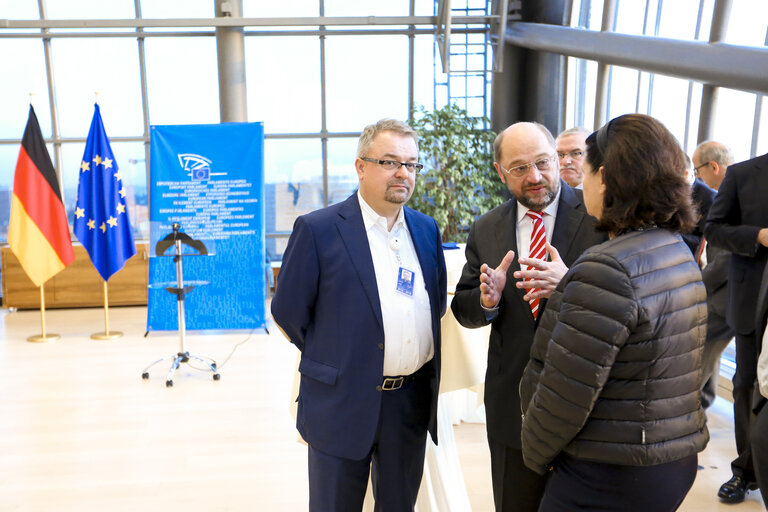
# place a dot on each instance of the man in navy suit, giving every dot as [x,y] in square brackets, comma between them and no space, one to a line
[526,161]
[738,222]
[362,289]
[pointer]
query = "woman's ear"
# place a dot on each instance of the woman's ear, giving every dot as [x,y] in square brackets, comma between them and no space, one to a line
[602,180]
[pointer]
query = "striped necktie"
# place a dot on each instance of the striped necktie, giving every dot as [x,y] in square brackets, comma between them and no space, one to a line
[537,250]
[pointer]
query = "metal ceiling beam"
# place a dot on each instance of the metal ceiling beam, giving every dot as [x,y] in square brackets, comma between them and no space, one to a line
[724,65]
[327,21]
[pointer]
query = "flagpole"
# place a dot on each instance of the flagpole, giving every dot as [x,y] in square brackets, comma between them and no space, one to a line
[106,335]
[43,337]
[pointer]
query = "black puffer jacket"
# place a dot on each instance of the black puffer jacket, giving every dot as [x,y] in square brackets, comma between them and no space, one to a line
[615,369]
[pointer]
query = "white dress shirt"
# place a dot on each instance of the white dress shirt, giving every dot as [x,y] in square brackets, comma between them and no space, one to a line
[525,226]
[408,342]
[762,366]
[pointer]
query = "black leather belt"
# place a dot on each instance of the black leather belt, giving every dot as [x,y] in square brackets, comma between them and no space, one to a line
[393,383]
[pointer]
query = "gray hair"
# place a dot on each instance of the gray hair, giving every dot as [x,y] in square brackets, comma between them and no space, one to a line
[574,130]
[500,137]
[385,125]
[713,151]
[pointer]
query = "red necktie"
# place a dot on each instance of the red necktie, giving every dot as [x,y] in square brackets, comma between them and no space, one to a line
[700,251]
[537,250]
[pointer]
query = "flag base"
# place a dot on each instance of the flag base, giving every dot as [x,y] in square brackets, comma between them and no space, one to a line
[40,338]
[111,335]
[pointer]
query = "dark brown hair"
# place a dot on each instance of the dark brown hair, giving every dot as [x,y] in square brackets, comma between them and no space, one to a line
[643,171]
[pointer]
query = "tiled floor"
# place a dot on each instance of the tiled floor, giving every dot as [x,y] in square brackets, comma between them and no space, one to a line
[81,431]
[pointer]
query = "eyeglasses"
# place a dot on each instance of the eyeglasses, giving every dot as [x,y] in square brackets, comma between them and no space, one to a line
[393,165]
[543,164]
[696,169]
[576,154]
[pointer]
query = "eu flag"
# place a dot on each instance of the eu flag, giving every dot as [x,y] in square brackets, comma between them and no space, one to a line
[101,218]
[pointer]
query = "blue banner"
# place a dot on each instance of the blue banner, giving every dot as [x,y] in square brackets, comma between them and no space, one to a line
[210,180]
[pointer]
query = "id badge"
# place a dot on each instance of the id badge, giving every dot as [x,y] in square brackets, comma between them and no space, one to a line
[405,280]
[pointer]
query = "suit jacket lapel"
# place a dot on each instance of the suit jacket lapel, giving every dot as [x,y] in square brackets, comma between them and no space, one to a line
[423,245]
[352,231]
[568,220]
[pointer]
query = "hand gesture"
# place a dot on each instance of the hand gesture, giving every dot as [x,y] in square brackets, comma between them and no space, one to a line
[545,275]
[493,280]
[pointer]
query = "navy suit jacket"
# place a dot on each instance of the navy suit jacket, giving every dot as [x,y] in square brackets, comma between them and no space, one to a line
[491,236]
[327,303]
[737,214]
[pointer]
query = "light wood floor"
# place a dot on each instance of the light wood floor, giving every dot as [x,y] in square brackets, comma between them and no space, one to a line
[81,431]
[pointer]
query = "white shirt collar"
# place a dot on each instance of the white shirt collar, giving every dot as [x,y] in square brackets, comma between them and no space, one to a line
[371,218]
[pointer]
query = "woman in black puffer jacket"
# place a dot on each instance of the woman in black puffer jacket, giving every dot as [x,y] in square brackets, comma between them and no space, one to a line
[611,395]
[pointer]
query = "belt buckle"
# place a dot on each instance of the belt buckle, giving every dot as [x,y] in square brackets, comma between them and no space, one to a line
[392,383]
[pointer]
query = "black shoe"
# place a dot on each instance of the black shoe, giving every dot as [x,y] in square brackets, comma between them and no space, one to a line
[734,490]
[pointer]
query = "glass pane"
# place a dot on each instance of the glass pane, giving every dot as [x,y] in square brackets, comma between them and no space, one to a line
[342,177]
[668,104]
[423,86]
[25,10]
[678,19]
[630,17]
[294,8]
[23,59]
[366,8]
[734,118]
[109,66]
[762,135]
[367,80]
[9,154]
[424,8]
[284,67]
[88,9]
[693,123]
[129,157]
[586,89]
[623,92]
[748,23]
[182,80]
[293,171]
[177,9]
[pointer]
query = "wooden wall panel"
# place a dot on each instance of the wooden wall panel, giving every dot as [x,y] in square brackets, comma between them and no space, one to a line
[78,285]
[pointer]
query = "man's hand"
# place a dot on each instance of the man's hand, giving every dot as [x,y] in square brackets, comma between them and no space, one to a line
[545,275]
[493,280]
[762,237]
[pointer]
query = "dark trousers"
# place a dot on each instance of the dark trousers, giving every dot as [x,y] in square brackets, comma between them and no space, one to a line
[719,335]
[759,439]
[515,487]
[743,388]
[396,460]
[578,485]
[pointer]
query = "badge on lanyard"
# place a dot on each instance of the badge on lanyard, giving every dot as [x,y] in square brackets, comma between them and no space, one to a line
[405,280]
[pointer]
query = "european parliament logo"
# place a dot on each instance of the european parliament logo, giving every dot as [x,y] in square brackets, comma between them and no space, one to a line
[198,167]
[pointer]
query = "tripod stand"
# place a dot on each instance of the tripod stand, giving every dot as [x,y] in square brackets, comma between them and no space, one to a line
[175,239]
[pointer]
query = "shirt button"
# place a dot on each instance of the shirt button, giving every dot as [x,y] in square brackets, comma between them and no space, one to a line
[381,346]
[378,388]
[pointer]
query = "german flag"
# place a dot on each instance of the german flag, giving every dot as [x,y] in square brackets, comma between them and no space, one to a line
[38,233]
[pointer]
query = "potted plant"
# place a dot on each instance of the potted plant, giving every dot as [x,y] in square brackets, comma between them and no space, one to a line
[458,182]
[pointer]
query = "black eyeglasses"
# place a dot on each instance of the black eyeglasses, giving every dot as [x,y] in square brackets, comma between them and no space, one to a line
[696,169]
[393,165]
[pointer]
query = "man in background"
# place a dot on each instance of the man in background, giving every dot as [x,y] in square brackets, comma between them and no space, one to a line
[710,163]
[738,222]
[546,225]
[571,148]
[362,289]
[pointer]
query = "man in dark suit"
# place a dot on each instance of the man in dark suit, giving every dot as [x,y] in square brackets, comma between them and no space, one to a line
[362,289]
[710,163]
[737,222]
[526,162]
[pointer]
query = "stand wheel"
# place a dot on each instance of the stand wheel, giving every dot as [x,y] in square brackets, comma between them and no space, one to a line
[145,375]
[216,376]
[169,383]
